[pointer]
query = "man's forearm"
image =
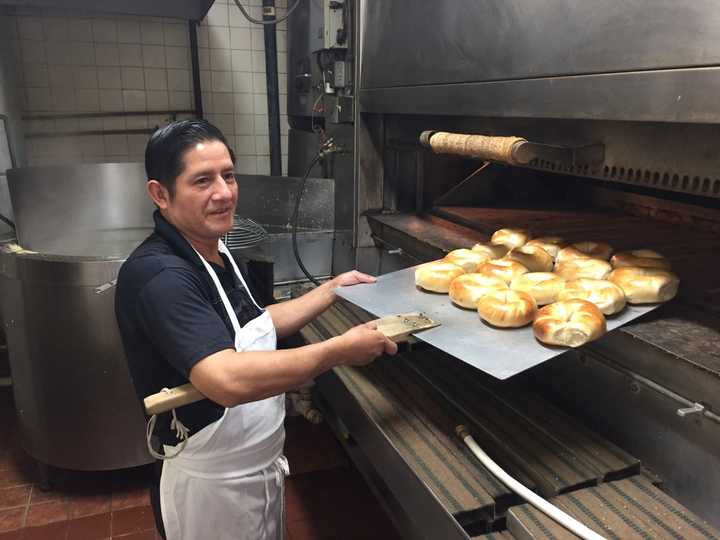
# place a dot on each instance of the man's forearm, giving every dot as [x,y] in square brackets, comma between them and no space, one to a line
[230,378]
[289,317]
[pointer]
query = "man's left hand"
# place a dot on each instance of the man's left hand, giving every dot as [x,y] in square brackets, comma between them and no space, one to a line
[352,278]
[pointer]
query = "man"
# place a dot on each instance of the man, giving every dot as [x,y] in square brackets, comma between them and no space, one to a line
[188,312]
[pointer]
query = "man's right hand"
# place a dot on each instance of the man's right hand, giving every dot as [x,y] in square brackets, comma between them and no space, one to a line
[362,344]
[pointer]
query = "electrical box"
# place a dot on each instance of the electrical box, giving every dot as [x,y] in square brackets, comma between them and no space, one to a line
[336,31]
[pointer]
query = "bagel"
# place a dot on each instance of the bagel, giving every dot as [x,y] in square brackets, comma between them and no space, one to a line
[507,309]
[642,258]
[436,276]
[569,253]
[505,269]
[607,296]
[542,286]
[583,268]
[467,259]
[585,250]
[645,285]
[466,290]
[494,251]
[569,323]
[551,244]
[534,258]
[509,237]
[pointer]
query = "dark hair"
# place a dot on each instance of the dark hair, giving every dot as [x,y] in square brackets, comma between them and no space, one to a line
[165,149]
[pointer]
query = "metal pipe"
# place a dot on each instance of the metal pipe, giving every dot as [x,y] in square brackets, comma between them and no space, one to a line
[55,135]
[195,61]
[273,91]
[101,114]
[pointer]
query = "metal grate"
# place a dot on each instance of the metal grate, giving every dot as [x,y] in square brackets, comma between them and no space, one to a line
[684,183]
[245,233]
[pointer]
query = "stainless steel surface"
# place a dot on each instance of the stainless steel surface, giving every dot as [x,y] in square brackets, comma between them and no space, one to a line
[11,139]
[182,9]
[270,201]
[305,36]
[99,210]
[302,148]
[315,247]
[675,95]
[406,44]
[70,377]
[513,59]
[500,353]
[75,404]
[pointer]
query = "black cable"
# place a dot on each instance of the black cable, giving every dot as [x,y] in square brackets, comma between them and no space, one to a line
[8,222]
[295,217]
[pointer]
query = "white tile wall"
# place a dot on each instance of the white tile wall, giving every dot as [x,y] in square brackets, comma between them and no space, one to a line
[232,63]
[72,64]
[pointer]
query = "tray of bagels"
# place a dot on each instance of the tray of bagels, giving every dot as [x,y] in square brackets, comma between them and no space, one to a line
[512,303]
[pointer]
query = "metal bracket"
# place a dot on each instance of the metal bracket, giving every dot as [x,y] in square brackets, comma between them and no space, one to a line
[695,408]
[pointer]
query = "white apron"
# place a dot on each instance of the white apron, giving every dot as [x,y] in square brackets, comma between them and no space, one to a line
[227,483]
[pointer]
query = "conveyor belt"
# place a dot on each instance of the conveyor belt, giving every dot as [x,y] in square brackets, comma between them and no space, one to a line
[539,445]
[626,509]
[562,453]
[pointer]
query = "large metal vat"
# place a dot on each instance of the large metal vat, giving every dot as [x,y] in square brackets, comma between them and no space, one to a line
[75,402]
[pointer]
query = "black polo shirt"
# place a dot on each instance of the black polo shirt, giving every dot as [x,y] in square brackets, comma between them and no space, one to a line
[171,316]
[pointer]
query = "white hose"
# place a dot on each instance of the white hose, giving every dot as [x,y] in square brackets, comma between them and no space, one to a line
[538,502]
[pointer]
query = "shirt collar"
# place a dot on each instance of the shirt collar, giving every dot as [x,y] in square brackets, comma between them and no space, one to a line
[177,241]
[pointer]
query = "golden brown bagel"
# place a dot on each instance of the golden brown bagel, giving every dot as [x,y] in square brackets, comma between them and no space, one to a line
[607,296]
[507,309]
[583,268]
[469,260]
[505,269]
[569,253]
[642,258]
[551,244]
[494,251]
[645,285]
[542,286]
[510,237]
[534,258]
[569,323]
[466,290]
[596,250]
[436,276]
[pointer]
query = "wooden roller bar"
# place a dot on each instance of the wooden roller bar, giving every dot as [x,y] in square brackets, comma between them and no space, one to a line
[500,149]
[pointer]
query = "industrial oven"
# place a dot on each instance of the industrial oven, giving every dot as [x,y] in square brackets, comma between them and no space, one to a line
[619,102]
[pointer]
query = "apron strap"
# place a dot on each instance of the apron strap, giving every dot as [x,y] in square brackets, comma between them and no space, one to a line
[223,249]
[181,432]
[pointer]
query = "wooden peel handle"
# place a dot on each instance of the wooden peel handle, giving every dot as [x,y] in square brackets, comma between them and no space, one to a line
[396,327]
[171,399]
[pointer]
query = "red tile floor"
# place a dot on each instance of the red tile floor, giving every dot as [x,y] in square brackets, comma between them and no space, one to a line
[326,497]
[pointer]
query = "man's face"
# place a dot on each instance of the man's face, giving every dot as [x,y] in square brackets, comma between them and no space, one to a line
[203,205]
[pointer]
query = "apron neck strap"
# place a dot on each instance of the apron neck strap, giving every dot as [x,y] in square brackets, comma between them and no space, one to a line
[223,296]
